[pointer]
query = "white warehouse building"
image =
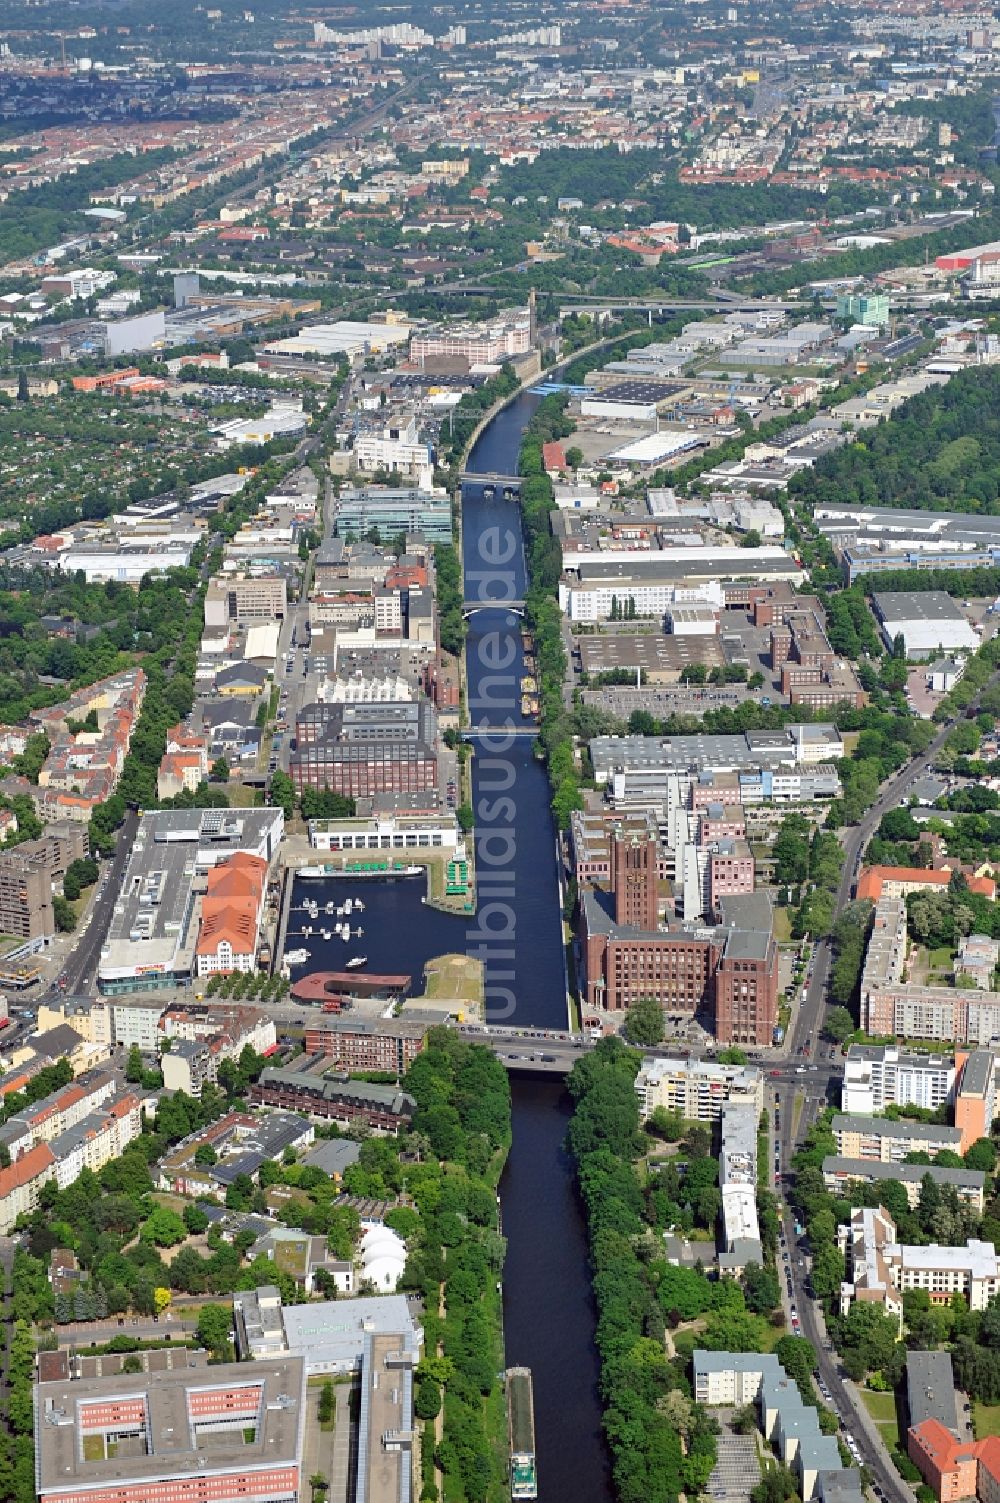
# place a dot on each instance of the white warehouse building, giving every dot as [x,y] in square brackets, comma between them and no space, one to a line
[929,622]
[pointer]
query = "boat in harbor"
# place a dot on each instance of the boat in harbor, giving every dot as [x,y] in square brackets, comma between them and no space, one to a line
[357,962]
[521,1433]
[296,957]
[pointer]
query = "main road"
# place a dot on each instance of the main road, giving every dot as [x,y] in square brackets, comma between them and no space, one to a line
[80,969]
[816,1078]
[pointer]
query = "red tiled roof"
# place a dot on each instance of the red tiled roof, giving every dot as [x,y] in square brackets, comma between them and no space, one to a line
[23,1170]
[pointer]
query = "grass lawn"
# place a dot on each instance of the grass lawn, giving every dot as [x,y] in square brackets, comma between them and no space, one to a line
[985,1420]
[782,925]
[882,1408]
[93,1448]
[453,978]
[240,797]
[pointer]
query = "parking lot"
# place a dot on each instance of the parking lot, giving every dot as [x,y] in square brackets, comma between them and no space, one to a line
[737,1470]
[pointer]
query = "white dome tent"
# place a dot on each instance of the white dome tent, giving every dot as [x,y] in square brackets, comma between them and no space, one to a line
[383,1257]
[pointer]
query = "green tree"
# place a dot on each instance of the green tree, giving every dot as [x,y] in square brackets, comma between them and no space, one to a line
[665,1124]
[732,1056]
[163,1228]
[644,1023]
[760,1289]
[134,1067]
[838,1024]
[281,793]
[982,1155]
[215,1331]
[64,914]
[466,818]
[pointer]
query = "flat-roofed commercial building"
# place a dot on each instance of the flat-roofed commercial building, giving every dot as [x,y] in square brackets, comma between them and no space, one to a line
[328,1336]
[794,746]
[182,1436]
[394,509]
[928,621]
[386,1434]
[669,577]
[386,832]
[245,597]
[154,933]
[654,659]
[730,972]
[361,749]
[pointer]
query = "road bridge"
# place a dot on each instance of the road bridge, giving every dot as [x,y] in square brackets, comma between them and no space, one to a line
[509,486]
[470,607]
[525,732]
[592,303]
[541,1051]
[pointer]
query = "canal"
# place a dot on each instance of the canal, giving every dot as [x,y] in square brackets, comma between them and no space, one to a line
[548,1305]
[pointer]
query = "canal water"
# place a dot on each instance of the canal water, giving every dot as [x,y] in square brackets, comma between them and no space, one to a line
[548,1305]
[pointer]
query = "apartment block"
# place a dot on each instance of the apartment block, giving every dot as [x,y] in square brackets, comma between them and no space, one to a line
[883,1269]
[976,1096]
[881,1075]
[932,1012]
[83,765]
[786,1421]
[740,1240]
[889,1141]
[184,764]
[386,1045]
[82,1125]
[25,897]
[21,1184]
[731,1379]
[697,1089]
[839,1174]
[97,1139]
